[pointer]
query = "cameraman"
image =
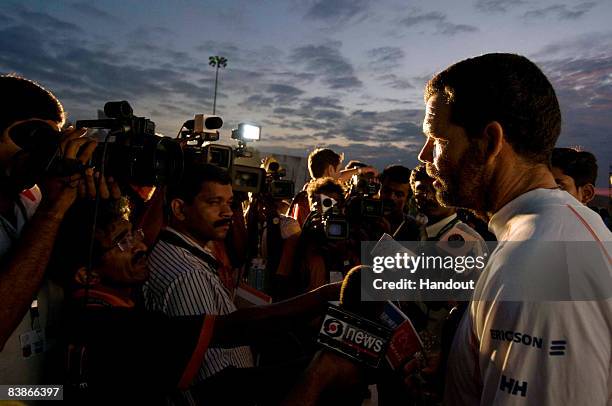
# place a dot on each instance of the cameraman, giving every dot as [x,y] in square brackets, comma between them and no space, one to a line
[31,142]
[323,162]
[273,235]
[323,257]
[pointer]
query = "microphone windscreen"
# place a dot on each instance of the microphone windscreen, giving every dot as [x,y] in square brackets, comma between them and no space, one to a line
[350,295]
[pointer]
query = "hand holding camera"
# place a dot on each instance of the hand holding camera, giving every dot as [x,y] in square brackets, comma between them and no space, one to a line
[65,173]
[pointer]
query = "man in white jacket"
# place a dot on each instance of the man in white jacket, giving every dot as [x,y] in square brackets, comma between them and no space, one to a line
[538,330]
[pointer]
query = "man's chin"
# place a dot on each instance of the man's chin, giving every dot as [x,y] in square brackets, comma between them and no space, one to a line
[221,234]
[444,198]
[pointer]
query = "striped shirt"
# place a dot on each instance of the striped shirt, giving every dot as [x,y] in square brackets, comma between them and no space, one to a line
[185,284]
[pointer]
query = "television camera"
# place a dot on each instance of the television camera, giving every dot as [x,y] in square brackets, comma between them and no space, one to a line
[131,150]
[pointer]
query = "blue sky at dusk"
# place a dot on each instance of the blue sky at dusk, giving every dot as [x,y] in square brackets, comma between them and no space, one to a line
[339,73]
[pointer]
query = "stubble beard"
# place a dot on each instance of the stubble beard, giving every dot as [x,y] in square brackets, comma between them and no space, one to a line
[464,186]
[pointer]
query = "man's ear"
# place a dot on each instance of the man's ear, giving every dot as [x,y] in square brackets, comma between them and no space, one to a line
[177,209]
[587,193]
[328,170]
[494,136]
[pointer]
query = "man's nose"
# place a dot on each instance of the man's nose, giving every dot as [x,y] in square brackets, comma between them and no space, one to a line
[426,154]
[138,246]
[227,211]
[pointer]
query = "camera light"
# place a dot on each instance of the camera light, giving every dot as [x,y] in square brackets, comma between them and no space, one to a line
[250,132]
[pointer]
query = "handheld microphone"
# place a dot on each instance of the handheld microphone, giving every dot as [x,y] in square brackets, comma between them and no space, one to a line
[368,332]
[350,329]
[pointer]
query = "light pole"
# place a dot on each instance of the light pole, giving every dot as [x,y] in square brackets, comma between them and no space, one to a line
[217,62]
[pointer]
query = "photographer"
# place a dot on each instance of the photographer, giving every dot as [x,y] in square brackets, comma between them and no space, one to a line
[33,151]
[324,253]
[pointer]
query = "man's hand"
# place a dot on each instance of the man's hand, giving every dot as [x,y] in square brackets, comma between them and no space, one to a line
[60,192]
[95,184]
[366,170]
[418,373]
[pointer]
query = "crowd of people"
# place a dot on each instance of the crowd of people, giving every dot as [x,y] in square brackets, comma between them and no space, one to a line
[120,291]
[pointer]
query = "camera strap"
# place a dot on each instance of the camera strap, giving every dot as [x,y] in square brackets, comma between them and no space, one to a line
[171,238]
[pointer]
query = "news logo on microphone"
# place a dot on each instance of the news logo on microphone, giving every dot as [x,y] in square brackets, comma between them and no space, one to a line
[355,337]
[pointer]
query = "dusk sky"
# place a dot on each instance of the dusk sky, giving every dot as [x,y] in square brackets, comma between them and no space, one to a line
[348,74]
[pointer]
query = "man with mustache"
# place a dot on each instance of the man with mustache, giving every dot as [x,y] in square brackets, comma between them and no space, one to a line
[184,279]
[184,282]
[491,124]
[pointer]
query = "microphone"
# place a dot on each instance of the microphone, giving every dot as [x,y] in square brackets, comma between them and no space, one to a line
[368,332]
[352,328]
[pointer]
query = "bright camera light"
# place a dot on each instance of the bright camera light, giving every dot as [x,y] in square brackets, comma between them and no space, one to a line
[250,132]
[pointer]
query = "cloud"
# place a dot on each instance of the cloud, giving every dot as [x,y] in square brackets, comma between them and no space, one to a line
[257,101]
[327,61]
[561,11]
[450,29]
[418,18]
[437,20]
[322,102]
[497,6]
[386,56]
[90,10]
[85,74]
[43,20]
[591,43]
[284,93]
[583,84]
[5,19]
[396,82]
[337,10]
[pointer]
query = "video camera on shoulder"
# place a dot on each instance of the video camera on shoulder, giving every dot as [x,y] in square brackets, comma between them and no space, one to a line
[362,201]
[132,151]
[247,179]
[333,221]
[276,187]
[197,136]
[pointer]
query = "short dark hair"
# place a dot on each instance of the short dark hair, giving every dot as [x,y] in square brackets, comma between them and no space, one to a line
[189,185]
[395,173]
[506,88]
[320,159]
[23,99]
[419,173]
[325,185]
[579,165]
